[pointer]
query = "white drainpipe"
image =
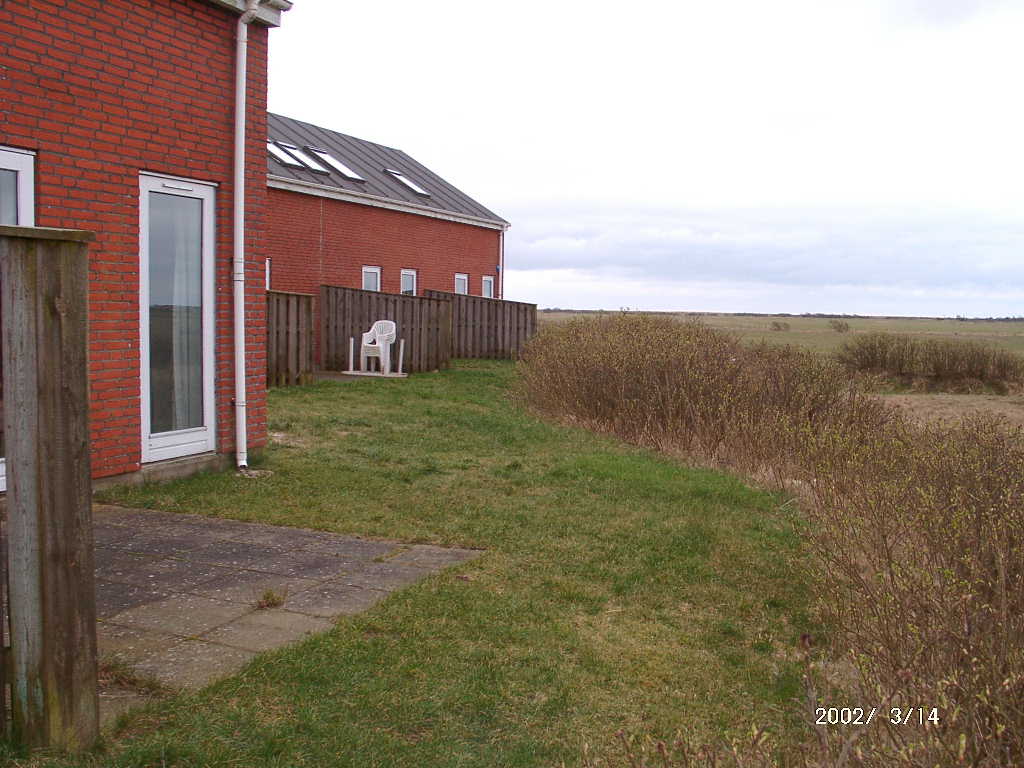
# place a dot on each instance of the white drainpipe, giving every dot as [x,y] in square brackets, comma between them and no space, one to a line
[238,258]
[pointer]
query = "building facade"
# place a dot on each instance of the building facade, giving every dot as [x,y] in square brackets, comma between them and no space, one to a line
[349,212]
[118,118]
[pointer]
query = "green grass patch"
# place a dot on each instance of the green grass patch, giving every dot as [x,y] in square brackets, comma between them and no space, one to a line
[618,590]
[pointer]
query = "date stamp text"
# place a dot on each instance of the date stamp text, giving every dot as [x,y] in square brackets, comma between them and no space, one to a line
[902,716]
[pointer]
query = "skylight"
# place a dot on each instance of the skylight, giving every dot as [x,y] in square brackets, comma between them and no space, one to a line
[302,157]
[408,182]
[281,156]
[336,164]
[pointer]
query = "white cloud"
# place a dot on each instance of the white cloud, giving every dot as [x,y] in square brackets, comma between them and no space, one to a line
[791,142]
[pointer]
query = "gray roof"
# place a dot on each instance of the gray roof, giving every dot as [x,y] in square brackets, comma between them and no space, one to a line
[370,160]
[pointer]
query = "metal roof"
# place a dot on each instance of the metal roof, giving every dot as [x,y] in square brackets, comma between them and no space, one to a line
[372,162]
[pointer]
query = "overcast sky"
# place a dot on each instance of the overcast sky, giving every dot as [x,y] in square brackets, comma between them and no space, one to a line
[857,156]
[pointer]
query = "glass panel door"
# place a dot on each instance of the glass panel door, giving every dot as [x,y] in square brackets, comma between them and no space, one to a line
[176,292]
[17,208]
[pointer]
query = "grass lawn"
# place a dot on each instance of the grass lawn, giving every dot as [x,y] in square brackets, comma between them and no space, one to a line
[618,590]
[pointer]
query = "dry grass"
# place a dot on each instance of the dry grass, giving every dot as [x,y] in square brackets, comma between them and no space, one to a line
[917,530]
[933,363]
[818,334]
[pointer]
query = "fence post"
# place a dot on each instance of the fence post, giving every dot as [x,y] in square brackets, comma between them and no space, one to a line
[45,283]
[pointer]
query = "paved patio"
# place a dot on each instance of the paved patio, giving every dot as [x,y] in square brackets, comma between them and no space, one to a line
[178,596]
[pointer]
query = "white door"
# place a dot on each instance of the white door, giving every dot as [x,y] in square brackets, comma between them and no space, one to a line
[17,208]
[176,317]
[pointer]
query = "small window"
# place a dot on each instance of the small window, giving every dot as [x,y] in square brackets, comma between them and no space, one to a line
[281,156]
[409,282]
[407,181]
[336,164]
[302,157]
[487,286]
[17,187]
[461,283]
[268,274]
[371,278]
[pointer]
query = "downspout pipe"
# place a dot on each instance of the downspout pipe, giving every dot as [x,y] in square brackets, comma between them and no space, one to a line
[238,237]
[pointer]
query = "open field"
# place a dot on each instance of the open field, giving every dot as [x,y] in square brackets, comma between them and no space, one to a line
[942,406]
[815,333]
[617,590]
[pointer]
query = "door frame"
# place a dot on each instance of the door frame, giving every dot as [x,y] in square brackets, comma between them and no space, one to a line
[22,161]
[182,442]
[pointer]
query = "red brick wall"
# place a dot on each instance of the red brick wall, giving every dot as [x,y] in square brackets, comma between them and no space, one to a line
[102,91]
[314,241]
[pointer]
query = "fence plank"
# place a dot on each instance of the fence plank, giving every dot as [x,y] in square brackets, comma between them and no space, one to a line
[422,322]
[290,338]
[45,287]
[488,328]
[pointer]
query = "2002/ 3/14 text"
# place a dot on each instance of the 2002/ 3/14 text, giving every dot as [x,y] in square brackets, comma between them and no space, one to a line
[865,715]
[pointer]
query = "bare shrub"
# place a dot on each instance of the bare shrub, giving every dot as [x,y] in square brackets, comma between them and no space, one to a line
[779,325]
[839,326]
[947,363]
[917,532]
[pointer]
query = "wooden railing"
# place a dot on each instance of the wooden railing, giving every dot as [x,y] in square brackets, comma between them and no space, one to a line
[488,328]
[424,323]
[289,338]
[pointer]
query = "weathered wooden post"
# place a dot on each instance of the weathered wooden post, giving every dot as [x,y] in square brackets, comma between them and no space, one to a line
[44,283]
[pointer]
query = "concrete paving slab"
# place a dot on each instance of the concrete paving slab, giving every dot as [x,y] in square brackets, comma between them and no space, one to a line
[193,663]
[153,541]
[385,576]
[268,629]
[306,564]
[429,556]
[247,587]
[129,644]
[181,614]
[352,548]
[107,533]
[113,597]
[235,554]
[335,599]
[177,593]
[118,565]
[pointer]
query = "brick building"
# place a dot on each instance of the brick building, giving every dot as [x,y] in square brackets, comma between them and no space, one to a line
[344,211]
[119,117]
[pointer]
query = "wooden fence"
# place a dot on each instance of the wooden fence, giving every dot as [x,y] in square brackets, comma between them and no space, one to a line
[289,338]
[424,323]
[488,328]
[50,665]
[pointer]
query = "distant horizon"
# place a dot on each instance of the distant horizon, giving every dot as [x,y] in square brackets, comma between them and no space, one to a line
[822,315]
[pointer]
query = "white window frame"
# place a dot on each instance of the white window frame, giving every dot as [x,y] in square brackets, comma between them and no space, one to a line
[367,270]
[182,442]
[409,273]
[484,282]
[268,274]
[23,162]
[462,276]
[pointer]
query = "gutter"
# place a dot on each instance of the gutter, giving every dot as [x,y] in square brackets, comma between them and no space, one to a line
[238,235]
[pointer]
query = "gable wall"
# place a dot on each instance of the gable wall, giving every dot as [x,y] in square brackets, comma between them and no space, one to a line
[314,241]
[102,90]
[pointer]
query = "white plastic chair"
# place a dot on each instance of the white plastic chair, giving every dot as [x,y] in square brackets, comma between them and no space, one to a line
[377,343]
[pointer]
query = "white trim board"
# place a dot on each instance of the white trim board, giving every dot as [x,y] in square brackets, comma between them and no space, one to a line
[348,196]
